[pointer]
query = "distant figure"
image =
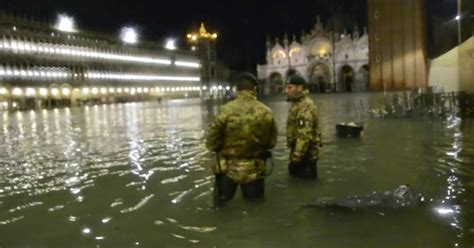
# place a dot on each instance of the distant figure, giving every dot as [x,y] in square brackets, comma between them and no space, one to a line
[241,135]
[302,132]
[348,83]
[159,99]
[322,85]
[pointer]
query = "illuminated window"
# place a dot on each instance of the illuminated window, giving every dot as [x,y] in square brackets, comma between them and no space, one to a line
[295,52]
[279,54]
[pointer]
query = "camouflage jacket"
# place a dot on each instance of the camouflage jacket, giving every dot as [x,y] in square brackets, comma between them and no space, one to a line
[302,131]
[242,133]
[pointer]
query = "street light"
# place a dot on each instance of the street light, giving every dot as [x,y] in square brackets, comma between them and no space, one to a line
[65,23]
[43,91]
[30,92]
[129,35]
[201,34]
[201,41]
[458,19]
[3,91]
[170,44]
[66,91]
[17,92]
[54,91]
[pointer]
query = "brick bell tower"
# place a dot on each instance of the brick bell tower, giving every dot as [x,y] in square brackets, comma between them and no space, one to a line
[397,44]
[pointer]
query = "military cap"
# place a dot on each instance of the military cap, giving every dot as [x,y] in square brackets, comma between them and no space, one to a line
[248,77]
[297,80]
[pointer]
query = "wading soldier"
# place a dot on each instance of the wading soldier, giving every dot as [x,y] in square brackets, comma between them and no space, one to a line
[302,132]
[241,135]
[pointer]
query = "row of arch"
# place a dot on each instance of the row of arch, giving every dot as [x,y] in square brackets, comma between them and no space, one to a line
[320,79]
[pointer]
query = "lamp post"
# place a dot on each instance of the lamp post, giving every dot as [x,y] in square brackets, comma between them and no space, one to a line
[333,40]
[458,19]
[203,42]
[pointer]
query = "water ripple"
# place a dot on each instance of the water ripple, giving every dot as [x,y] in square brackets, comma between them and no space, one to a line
[137,206]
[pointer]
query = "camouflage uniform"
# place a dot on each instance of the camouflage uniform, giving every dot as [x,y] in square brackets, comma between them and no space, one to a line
[302,132]
[242,134]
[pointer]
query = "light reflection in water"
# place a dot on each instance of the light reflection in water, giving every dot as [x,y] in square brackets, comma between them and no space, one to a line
[57,120]
[5,123]
[134,142]
[20,124]
[86,230]
[34,128]
[444,211]
[106,220]
[450,210]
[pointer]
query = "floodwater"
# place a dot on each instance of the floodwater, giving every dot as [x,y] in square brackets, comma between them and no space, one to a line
[137,175]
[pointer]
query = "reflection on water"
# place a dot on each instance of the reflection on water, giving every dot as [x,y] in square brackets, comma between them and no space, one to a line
[137,174]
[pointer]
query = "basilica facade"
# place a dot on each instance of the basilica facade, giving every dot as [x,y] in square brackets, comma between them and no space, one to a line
[330,62]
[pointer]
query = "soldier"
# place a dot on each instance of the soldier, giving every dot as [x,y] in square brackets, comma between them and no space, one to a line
[241,135]
[302,132]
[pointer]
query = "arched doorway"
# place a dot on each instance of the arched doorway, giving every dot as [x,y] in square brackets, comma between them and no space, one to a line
[291,72]
[275,83]
[347,78]
[318,77]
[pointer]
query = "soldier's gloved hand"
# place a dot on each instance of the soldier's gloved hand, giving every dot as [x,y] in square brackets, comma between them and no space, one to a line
[295,158]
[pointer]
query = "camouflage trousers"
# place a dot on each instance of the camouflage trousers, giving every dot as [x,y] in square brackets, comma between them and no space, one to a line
[240,170]
[307,168]
[225,188]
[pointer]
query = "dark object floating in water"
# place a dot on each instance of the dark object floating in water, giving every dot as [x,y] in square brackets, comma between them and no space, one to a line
[403,196]
[349,129]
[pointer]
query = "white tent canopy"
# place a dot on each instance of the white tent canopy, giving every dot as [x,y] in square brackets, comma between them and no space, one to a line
[454,70]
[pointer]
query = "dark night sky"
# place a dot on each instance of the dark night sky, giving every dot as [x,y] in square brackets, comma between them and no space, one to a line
[242,25]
